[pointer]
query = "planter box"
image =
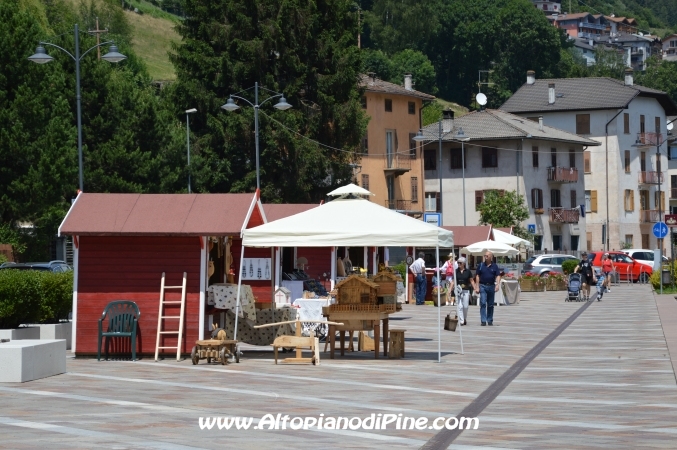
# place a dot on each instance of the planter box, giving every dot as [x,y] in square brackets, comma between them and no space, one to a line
[556,285]
[531,285]
[31,359]
[57,331]
[15,334]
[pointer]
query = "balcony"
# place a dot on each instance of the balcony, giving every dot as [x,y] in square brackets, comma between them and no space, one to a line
[648,215]
[649,139]
[590,25]
[650,177]
[403,205]
[396,164]
[564,215]
[563,174]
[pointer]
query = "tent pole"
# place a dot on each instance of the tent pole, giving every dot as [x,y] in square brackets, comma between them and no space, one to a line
[333,267]
[239,284]
[439,307]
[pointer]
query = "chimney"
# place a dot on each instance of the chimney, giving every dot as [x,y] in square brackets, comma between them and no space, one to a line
[372,75]
[407,81]
[551,93]
[531,77]
[628,76]
[540,123]
[447,120]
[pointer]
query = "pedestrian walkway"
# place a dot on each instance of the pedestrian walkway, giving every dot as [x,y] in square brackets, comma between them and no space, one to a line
[606,381]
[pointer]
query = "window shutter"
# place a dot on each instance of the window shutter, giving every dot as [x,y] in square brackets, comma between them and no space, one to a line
[533,198]
[593,201]
[632,200]
[627,161]
[414,189]
[540,198]
[586,161]
[663,200]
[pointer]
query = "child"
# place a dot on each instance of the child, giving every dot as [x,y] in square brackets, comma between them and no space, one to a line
[600,285]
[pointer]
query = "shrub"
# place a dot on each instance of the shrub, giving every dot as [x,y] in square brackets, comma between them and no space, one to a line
[569,266]
[29,296]
[400,268]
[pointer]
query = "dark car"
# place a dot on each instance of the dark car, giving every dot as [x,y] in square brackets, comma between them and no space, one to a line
[52,266]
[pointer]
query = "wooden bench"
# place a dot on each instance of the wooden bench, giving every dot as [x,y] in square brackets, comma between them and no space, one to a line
[298,343]
[396,337]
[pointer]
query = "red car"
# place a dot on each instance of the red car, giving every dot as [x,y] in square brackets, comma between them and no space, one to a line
[627,267]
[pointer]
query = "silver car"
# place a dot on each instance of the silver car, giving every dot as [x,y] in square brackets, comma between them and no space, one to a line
[543,264]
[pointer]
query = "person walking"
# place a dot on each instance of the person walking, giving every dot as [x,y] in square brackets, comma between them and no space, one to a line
[487,282]
[418,269]
[587,275]
[465,282]
[448,269]
[607,268]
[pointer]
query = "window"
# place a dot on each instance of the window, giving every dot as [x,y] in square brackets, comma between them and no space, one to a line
[489,157]
[588,239]
[591,201]
[389,105]
[572,158]
[626,123]
[553,157]
[534,156]
[363,101]
[582,123]
[365,181]
[641,124]
[479,197]
[429,160]
[365,143]
[574,243]
[414,189]
[628,240]
[645,241]
[629,200]
[537,198]
[627,161]
[586,161]
[673,182]
[644,200]
[411,107]
[413,146]
[642,161]
[658,125]
[557,242]
[458,158]
[431,201]
[390,147]
[555,198]
[572,197]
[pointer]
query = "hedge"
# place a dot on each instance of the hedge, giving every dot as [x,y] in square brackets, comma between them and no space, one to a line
[569,265]
[30,296]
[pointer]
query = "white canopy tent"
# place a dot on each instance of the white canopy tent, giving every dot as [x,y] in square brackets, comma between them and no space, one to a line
[349,222]
[510,239]
[497,248]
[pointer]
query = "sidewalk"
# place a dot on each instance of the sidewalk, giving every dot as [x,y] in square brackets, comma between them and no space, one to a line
[667,311]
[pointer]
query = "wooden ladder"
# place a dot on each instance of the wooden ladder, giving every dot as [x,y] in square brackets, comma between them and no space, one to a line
[160,317]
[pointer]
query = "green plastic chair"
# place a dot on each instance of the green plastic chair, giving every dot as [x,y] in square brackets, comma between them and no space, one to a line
[123,317]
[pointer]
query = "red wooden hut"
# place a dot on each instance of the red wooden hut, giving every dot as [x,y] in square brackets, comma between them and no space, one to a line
[123,243]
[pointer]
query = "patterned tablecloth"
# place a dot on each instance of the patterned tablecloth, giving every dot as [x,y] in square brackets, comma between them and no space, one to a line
[262,336]
[224,296]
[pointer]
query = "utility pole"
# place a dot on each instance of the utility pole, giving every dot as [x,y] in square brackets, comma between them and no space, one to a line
[98,32]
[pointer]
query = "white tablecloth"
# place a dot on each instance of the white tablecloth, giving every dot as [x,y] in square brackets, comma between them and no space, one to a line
[224,296]
[311,309]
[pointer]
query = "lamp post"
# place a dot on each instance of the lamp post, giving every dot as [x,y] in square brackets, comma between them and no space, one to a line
[188,111]
[281,105]
[41,57]
[460,136]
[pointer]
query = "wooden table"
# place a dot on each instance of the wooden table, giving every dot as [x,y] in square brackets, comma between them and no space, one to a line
[358,321]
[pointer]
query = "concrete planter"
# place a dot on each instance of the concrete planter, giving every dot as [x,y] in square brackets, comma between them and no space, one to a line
[57,331]
[15,334]
[31,359]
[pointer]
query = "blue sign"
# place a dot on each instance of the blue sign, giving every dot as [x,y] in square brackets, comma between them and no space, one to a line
[531,228]
[660,230]
[433,219]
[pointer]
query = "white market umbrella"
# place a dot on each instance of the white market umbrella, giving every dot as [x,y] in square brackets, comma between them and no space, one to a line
[497,248]
[349,189]
[510,239]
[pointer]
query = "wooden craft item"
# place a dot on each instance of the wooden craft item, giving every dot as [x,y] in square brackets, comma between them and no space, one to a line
[298,342]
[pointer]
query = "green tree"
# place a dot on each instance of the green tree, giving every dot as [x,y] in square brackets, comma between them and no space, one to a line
[393,68]
[306,49]
[608,63]
[661,75]
[504,209]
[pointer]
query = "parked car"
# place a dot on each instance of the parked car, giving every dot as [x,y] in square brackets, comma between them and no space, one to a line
[627,267]
[544,264]
[642,255]
[52,266]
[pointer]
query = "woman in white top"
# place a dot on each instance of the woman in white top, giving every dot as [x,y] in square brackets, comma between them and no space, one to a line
[449,269]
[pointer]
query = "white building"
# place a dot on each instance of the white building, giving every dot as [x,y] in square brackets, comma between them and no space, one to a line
[507,152]
[621,176]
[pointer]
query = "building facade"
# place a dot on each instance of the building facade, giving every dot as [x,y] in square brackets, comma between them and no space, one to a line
[391,166]
[491,150]
[624,180]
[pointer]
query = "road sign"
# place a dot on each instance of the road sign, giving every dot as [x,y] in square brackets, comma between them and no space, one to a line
[660,230]
[531,227]
[433,218]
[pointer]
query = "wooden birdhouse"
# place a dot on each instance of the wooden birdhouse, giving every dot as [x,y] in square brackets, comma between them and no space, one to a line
[282,295]
[357,290]
[387,283]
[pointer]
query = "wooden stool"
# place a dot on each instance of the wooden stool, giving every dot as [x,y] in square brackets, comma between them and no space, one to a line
[396,338]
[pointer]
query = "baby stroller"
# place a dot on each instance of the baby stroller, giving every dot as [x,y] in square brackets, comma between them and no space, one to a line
[574,288]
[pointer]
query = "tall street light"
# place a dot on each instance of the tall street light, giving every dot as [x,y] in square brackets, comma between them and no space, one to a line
[460,137]
[281,105]
[41,57]
[188,111]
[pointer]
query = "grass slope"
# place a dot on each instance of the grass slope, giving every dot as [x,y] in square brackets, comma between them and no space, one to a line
[152,38]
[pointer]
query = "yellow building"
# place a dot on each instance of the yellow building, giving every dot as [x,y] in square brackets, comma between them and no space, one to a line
[392,163]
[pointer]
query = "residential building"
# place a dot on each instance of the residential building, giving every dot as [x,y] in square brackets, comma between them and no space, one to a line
[670,48]
[621,25]
[582,25]
[548,6]
[586,48]
[622,176]
[507,152]
[638,48]
[391,166]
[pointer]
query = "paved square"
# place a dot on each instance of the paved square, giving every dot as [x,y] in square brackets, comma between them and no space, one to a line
[606,382]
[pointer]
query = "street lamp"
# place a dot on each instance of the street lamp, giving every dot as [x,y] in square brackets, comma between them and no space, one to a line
[188,111]
[281,105]
[41,57]
[460,136]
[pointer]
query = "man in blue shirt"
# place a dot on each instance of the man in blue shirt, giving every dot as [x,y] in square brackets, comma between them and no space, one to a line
[487,282]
